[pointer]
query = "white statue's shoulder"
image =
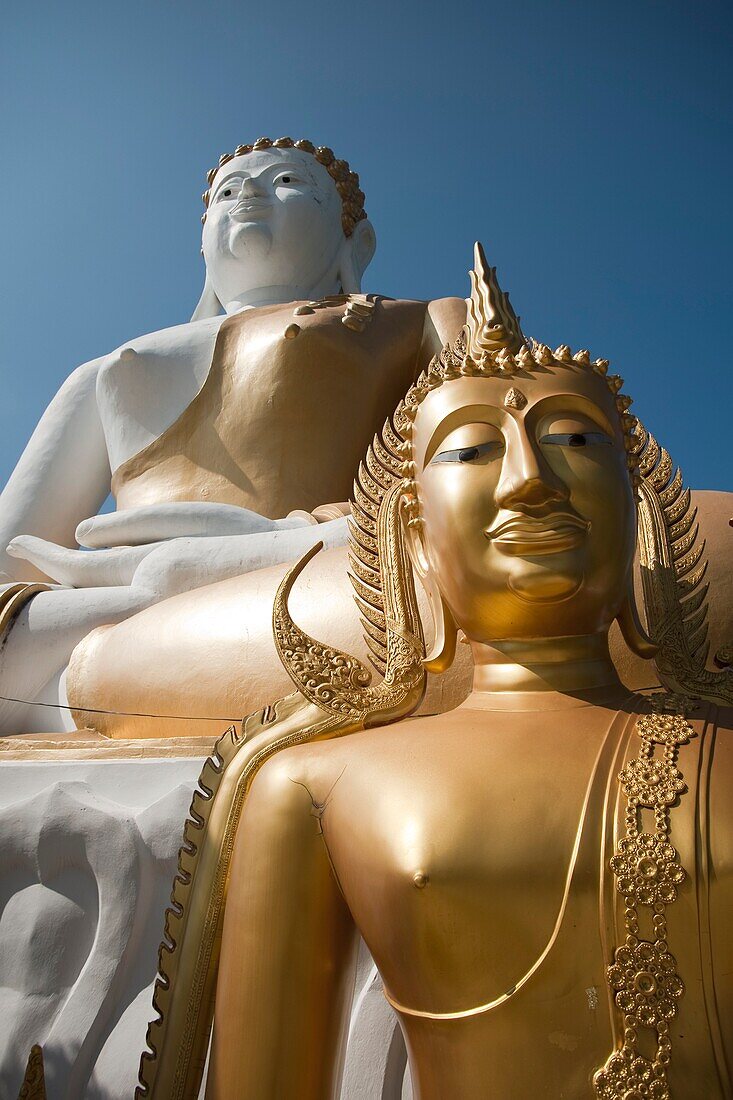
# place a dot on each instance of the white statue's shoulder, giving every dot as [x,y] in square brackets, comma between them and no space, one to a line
[145,384]
[179,342]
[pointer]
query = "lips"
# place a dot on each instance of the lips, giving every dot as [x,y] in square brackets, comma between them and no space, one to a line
[531,536]
[244,211]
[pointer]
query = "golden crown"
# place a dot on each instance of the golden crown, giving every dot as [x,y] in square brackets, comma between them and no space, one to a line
[492,343]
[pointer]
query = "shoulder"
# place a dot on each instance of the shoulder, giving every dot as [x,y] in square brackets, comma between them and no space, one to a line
[444,313]
[434,323]
[447,315]
[186,349]
[296,778]
[170,342]
[444,320]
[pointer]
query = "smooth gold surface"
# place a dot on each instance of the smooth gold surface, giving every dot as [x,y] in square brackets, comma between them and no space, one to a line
[472,850]
[281,423]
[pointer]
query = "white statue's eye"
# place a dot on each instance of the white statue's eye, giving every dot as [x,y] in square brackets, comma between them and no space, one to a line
[227,193]
[575,439]
[285,179]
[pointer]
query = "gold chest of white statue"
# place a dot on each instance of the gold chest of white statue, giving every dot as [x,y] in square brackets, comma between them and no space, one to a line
[287,409]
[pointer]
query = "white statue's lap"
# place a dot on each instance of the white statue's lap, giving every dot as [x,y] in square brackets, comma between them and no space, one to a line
[47,630]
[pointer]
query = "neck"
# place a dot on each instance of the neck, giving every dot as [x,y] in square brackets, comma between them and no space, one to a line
[279,295]
[563,665]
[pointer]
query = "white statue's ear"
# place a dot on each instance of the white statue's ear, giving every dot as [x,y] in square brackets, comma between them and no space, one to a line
[443,650]
[208,304]
[357,252]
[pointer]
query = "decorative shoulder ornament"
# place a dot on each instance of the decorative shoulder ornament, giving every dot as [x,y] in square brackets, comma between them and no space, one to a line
[643,977]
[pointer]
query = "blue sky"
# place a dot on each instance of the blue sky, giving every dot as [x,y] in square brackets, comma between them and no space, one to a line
[588,145]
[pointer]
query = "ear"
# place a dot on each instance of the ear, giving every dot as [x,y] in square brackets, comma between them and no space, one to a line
[357,252]
[443,650]
[632,631]
[208,304]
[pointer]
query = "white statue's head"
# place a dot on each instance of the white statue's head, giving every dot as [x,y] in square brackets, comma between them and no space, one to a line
[283,221]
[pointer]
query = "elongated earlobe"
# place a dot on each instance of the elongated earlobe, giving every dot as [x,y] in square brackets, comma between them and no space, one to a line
[633,632]
[443,650]
[208,304]
[356,255]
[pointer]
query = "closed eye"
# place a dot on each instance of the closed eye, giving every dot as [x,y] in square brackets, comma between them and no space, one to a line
[576,439]
[492,449]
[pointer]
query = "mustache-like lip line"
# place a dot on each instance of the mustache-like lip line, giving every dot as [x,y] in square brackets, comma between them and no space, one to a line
[530,526]
[252,207]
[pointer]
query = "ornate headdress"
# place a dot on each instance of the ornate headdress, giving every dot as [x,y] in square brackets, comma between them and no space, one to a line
[347,182]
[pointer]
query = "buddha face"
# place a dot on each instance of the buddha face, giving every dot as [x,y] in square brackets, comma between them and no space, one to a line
[529,517]
[274,220]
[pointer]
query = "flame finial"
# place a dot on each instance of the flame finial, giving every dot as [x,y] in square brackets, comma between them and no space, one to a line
[492,326]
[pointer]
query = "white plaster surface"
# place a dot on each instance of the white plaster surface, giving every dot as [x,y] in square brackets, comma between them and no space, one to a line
[87,855]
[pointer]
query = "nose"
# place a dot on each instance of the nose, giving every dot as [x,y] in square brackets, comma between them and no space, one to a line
[528,483]
[251,188]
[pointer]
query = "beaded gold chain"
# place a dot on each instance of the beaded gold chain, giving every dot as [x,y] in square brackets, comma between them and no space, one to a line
[643,976]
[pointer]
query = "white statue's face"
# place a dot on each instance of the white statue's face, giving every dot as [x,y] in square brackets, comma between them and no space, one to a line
[274,220]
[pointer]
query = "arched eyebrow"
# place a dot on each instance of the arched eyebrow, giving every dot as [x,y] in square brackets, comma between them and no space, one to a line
[231,176]
[464,414]
[280,166]
[546,406]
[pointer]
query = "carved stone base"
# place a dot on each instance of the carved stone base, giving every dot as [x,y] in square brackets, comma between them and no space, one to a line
[89,835]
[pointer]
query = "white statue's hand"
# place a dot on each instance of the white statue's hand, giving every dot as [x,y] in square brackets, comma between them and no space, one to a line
[155,523]
[120,541]
[81,568]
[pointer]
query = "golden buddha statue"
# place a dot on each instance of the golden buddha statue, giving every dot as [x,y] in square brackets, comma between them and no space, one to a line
[542,874]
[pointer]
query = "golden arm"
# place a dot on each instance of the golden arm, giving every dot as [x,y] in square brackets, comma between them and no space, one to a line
[288,953]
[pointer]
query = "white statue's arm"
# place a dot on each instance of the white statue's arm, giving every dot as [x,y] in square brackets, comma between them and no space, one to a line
[62,476]
[177,519]
[180,564]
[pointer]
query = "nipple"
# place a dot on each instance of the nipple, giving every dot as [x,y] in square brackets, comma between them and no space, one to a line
[420,879]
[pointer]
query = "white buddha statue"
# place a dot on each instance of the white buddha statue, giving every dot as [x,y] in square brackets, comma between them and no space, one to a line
[220,438]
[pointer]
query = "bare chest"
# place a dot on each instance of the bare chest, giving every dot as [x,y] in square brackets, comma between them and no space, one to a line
[458,872]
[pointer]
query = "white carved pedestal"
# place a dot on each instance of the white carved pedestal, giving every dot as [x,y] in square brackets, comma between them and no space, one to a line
[89,835]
